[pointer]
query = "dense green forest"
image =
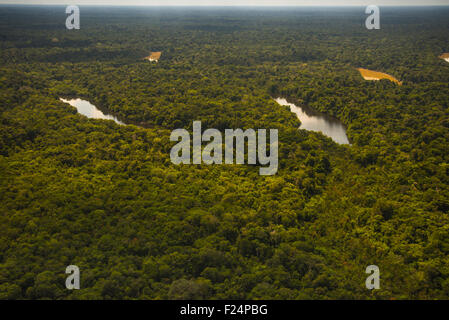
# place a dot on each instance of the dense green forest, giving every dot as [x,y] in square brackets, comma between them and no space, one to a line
[107,198]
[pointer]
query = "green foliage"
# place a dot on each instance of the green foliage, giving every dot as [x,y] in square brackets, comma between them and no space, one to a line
[107,198]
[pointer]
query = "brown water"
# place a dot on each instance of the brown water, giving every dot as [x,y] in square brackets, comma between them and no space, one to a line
[313,120]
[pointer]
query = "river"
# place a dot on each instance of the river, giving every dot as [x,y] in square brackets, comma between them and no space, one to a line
[310,119]
[313,120]
[89,110]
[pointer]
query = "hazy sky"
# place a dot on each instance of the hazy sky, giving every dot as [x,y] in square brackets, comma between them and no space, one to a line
[233,2]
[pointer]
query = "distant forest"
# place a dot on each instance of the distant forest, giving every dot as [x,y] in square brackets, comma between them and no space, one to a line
[105,197]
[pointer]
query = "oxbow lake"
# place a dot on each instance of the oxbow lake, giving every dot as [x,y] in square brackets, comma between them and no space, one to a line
[89,110]
[313,120]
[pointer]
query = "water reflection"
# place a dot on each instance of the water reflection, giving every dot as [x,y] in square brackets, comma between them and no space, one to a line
[313,120]
[89,110]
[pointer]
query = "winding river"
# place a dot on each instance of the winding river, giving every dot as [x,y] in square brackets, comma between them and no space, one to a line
[313,120]
[310,119]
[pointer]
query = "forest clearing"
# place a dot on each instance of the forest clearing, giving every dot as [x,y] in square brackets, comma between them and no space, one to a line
[445,56]
[154,56]
[375,75]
